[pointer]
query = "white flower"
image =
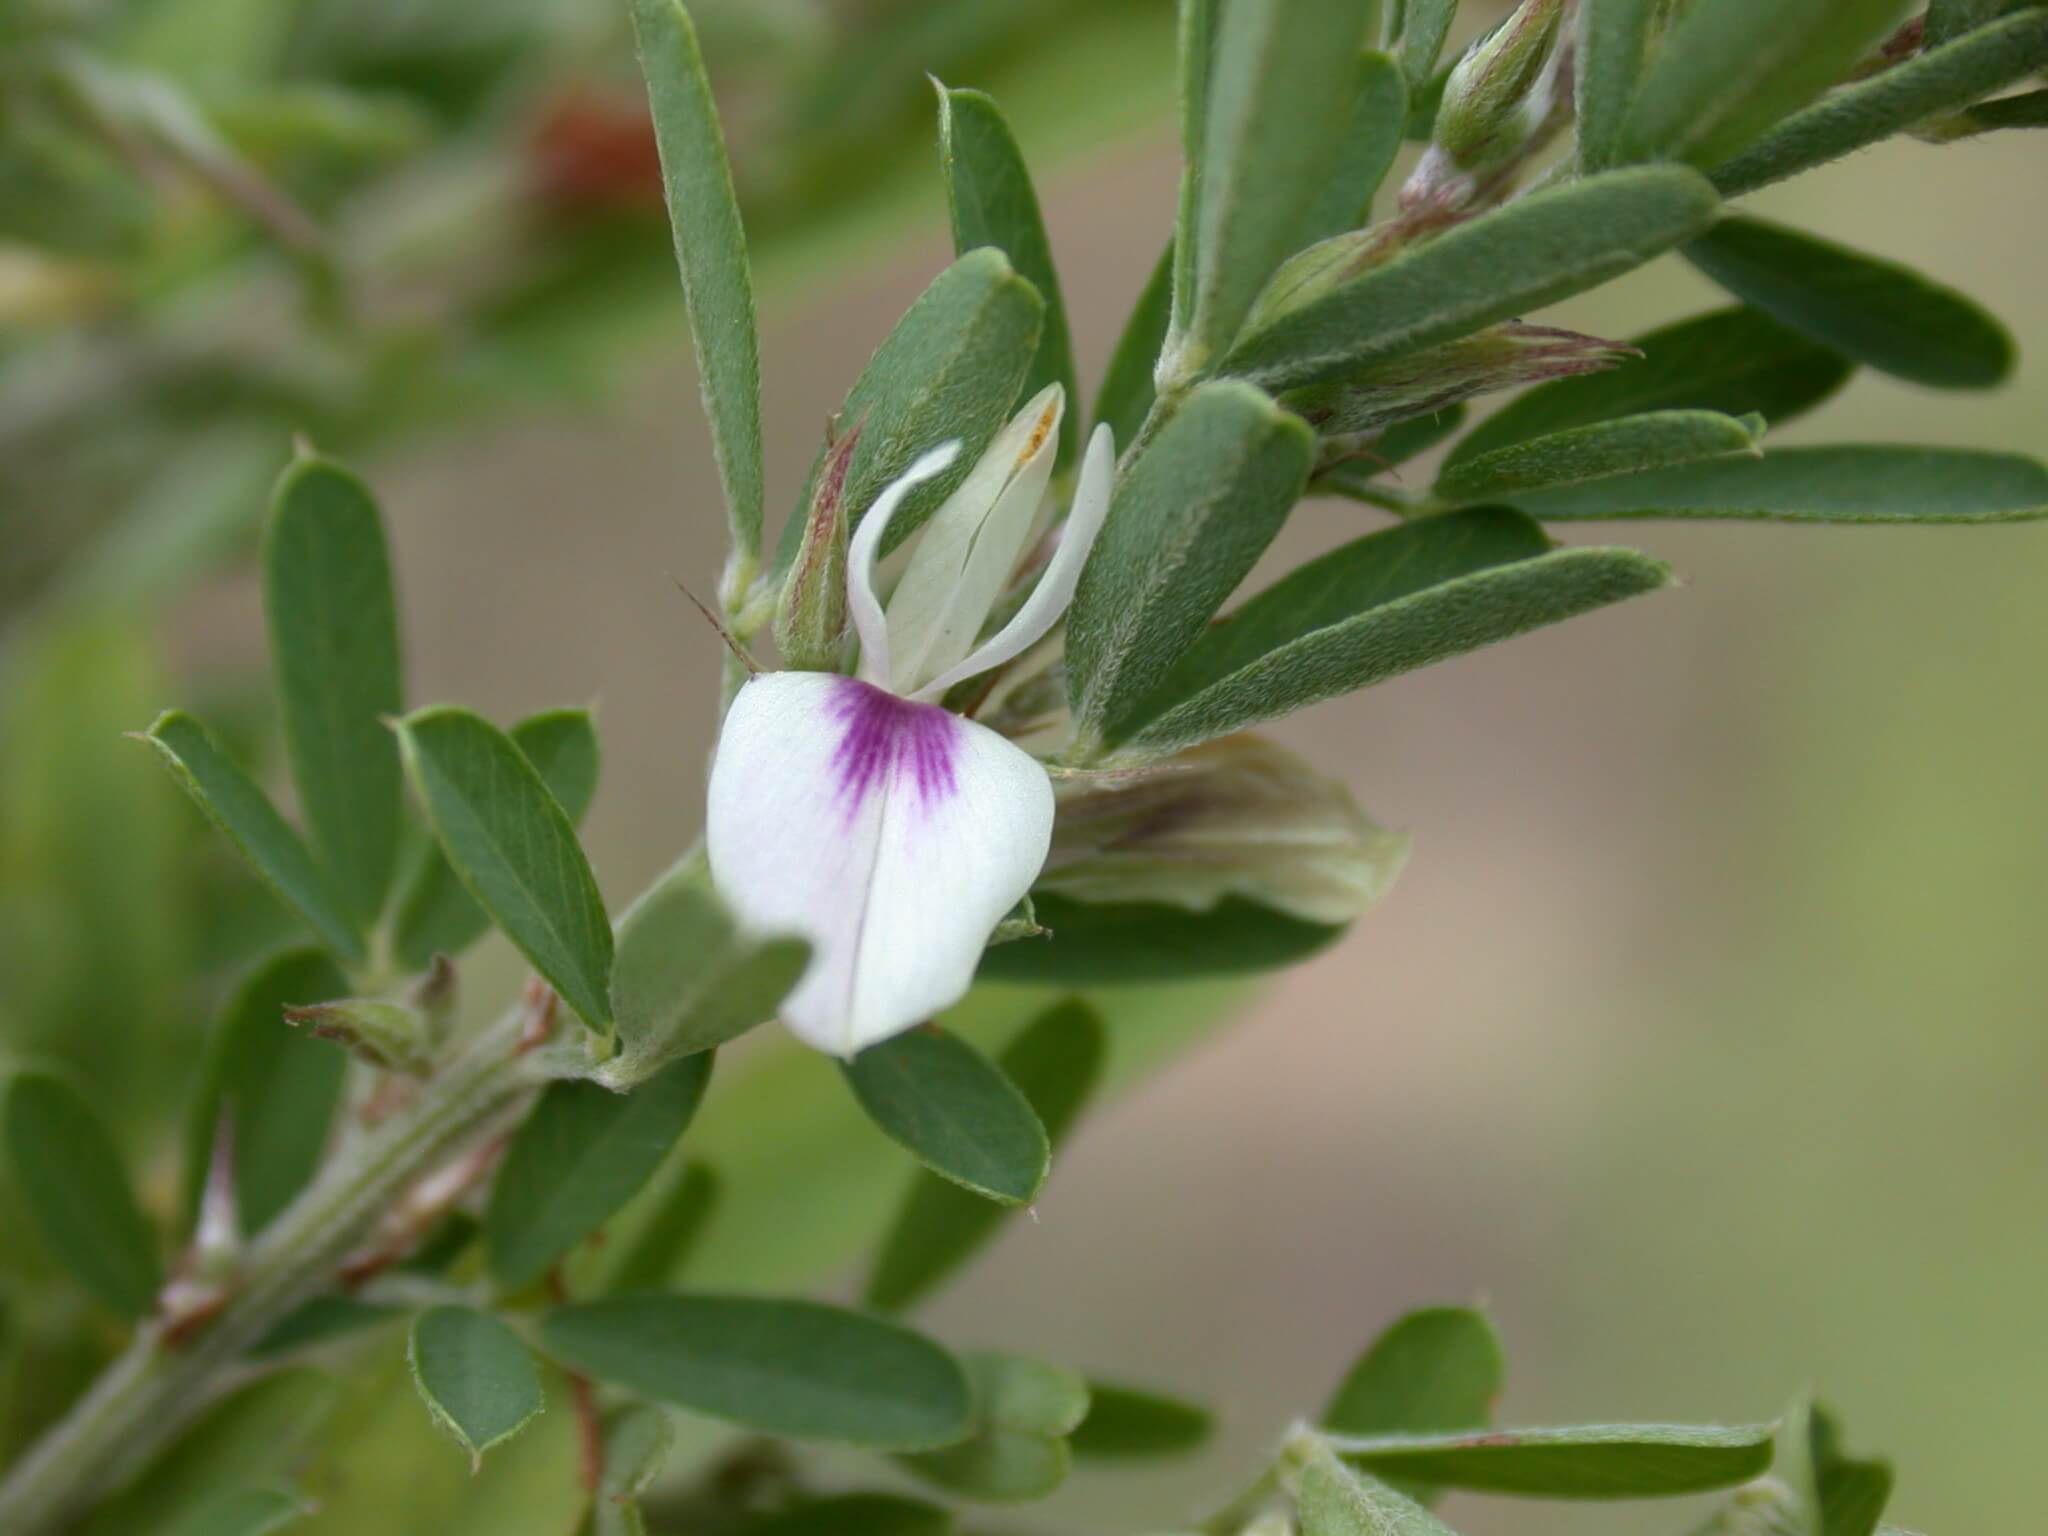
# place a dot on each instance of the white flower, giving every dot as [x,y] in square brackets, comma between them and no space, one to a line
[859,813]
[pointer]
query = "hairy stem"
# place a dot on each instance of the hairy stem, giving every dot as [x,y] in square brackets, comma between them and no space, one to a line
[167,1376]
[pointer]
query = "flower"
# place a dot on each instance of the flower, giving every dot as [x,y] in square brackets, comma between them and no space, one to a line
[860,813]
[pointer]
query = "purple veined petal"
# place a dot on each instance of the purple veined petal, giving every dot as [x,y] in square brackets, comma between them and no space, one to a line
[861,601]
[1055,589]
[892,835]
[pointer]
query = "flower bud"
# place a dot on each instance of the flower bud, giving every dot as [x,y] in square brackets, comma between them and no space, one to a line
[810,617]
[1235,817]
[1485,114]
[391,1036]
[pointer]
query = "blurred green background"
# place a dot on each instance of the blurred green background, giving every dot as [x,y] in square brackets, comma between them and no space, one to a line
[1702,1038]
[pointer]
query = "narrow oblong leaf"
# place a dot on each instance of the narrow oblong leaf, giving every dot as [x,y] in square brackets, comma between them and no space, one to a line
[1948,20]
[235,803]
[1875,484]
[76,1189]
[334,645]
[1613,45]
[1425,24]
[1535,251]
[475,1376]
[1735,361]
[250,1512]
[1125,398]
[1188,520]
[711,254]
[1653,440]
[515,850]
[1878,312]
[988,189]
[1365,152]
[1017,1450]
[1130,1424]
[582,1153]
[796,1368]
[1599,1461]
[954,1111]
[1953,75]
[1105,944]
[1332,1499]
[686,979]
[436,915]
[1055,1062]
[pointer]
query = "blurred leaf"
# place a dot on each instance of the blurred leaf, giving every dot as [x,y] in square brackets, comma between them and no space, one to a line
[1728,69]
[1425,25]
[1827,485]
[1948,20]
[1196,54]
[794,1368]
[515,850]
[1436,1368]
[1599,1461]
[637,1444]
[1333,1500]
[251,1436]
[1055,1062]
[75,1186]
[856,1514]
[233,802]
[954,1111]
[1188,519]
[655,1256]
[1278,98]
[711,252]
[1129,1423]
[988,189]
[1762,1508]
[474,1375]
[1125,398]
[686,979]
[1017,1451]
[1879,313]
[1833,1494]
[1653,440]
[1735,361]
[1613,45]
[2028,109]
[334,645]
[950,369]
[321,1320]
[435,914]
[252,1512]
[1365,150]
[1539,249]
[1122,943]
[275,1088]
[1954,75]
[581,1154]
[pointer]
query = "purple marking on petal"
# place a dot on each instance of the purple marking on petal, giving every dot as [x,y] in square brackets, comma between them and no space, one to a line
[883,735]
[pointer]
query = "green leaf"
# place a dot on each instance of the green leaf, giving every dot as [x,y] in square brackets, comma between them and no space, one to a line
[1735,361]
[1728,69]
[686,979]
[1823,485]
[1835,1495]
[1654,440]
[711,253]
[334,645]
[1279,95]
[583,1152]
[2028,109]
[1540,248]
[1879,313]
[857,1514]
[515,850]
[951,368]
[276,1088]
[1598,1461]
[233,802]
[1394,446]
[251,1512]
[1188,519]
[1125,398]
[1425,25]
[71,1178]
[321,1320]
[638,1443]
[1196,50]
[988,189]
[436,915]
[954,1111]
[1017,1450]
[474,1375]
[795,1368]
[1614,43]
[1953,75]
[1115,944]
[1365,151]
[1055,1062]
[1948,20]
[1376,607]
[1333,1500]
[1435,1368]
[663,1245]
[1129,1423]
